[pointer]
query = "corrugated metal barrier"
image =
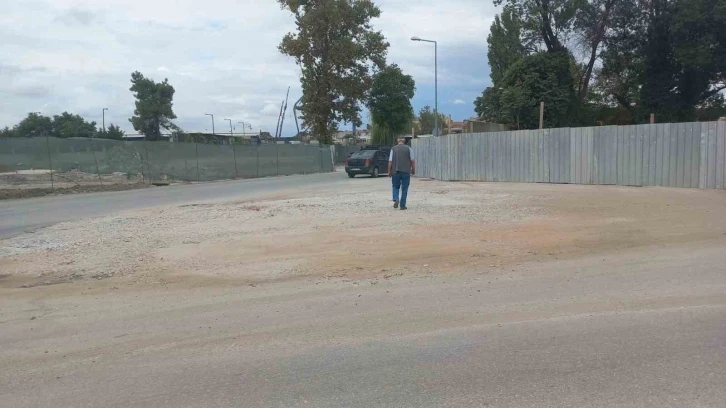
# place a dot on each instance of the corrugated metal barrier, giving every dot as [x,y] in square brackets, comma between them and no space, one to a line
[670,155]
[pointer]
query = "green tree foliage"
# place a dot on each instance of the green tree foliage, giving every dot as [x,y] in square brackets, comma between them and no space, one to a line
[390,104]
[488,106]
[337,50]
[34,125]
[6,132]
[68,125]
[593,19]
[662,56]
[545,23]
[62,126]
[113,132]
[576,26]
[426,122]
[667,57]
[382,135]
[154,102]
[506,42]
[544,76]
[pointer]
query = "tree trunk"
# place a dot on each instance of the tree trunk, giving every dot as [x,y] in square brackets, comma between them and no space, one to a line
[595,44]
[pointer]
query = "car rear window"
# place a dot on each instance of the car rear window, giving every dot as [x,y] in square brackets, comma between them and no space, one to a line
[363,154]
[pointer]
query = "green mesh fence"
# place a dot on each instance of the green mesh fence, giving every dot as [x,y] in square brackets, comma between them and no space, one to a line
[79,161]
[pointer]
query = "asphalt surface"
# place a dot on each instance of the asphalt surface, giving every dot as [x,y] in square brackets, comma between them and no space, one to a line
[18,216]
[641,329]
[644,327]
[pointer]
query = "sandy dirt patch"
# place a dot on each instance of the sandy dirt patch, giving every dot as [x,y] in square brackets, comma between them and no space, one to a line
[450,227]
[37,183]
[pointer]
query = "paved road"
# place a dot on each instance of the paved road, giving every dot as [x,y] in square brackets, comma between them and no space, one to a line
[17,216]
[642,329]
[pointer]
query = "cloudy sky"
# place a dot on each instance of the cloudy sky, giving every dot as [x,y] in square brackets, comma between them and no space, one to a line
[220,55]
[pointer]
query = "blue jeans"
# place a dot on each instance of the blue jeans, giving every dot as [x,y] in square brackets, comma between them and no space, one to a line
[401,181]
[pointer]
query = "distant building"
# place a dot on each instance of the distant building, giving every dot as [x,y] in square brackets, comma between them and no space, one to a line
[455,127]
[475,125]
[345,137]
[139,138]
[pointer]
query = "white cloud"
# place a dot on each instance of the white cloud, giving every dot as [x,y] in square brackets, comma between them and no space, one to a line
[270,110]
[221,55]
[459,102]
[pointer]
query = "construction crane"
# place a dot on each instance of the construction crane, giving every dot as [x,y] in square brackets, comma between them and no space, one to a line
[295,110]
[281,119]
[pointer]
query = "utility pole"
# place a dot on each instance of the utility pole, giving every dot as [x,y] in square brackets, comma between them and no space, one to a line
[541,114]
[104,120]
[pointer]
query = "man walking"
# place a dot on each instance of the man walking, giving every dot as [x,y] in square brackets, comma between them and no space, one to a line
[401,165]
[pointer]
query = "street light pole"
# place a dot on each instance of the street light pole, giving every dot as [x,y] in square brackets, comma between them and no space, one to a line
[230,128]
[209,114]
[243,128]
[234,152]
[436,82]
[104,120]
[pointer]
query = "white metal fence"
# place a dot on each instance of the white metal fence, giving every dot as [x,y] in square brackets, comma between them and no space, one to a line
[670,155]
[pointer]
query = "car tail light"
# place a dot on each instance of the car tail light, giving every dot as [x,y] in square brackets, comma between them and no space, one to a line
[368,162]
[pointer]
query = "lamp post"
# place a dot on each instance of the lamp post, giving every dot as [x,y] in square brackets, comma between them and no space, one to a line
[230,127]
[104,120]
[243,127]
[234,152]
[50,162]
[209,114]
[436,82]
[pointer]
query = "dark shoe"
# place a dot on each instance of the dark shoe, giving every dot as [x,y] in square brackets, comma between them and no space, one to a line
[395,204]
[404,208]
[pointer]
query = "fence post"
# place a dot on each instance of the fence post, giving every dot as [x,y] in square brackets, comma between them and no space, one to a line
[50,163]
[148,164]
[96,161]
[196,154]
[258,161]
[234,156]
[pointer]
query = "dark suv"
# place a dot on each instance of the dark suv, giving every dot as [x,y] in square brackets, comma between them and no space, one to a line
[370,160]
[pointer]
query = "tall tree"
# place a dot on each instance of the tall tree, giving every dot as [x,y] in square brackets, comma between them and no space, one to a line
[427,122]
[488,106]
[154,102]
[564,25]
[34,125]
[506,42]
[665,56]
[620,77]
[337,49]
[113,132]
[68,125]
[390,104]
[592,21]
[545,22]
[545,76]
